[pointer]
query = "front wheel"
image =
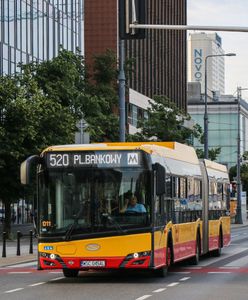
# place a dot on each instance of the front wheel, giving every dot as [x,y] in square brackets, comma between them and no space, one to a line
[70,272]
[161,272]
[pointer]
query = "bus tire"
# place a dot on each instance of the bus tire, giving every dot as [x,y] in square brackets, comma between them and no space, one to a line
[217,252]
[162,272]
[70,272]
[195,259]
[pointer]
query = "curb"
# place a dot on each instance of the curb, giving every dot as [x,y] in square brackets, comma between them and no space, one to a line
[10,261]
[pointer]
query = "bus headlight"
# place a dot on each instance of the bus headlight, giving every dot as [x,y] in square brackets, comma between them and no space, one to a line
[52,256]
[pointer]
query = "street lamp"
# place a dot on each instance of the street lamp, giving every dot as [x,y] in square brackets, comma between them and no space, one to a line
[206,104]
[238,219]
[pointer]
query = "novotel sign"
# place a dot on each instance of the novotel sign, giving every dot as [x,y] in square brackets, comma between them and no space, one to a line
[94,158]
[198,64]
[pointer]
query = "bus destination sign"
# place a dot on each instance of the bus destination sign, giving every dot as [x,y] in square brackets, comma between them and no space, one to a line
[93,158]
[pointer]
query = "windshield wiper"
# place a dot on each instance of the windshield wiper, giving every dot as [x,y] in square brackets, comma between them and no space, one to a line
[72,226]
[114,222]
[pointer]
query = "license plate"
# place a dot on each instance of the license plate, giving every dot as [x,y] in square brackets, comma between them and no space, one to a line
[92,263]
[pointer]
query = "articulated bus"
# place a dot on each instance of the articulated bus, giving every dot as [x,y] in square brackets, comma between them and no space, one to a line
[84,219]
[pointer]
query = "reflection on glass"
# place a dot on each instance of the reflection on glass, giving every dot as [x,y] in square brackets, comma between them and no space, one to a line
[39,26]
[92,200]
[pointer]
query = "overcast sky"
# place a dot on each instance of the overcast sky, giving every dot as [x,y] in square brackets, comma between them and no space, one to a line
[226,13]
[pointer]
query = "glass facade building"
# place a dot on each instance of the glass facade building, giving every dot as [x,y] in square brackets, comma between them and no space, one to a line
[223,127]
[34,30]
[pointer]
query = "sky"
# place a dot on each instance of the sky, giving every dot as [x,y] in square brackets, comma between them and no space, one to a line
[226,13]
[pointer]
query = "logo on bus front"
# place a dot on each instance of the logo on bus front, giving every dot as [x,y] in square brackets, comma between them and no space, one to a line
[132,159]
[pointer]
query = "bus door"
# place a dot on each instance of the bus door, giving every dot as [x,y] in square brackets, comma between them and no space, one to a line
[158,221]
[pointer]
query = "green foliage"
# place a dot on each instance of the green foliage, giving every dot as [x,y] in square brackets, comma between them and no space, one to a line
[101,99]
[42,105]
[165,123]
[243,172]
[212,153]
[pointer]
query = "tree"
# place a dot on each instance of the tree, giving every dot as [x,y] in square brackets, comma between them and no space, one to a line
[100,103]
[243,172]
[165,123]
[212,153]
[42,105]
[28,123]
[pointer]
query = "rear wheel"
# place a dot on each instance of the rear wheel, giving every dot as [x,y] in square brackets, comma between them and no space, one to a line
[196,258]
[70,272]
[217,252]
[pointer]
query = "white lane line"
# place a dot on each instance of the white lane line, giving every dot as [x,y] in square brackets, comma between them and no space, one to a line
[173,284]
[184,278]
[159,290]
[55,272]
[12,291]
[143,297]
[219,272]
[55,279]
[21,272]
[181,273]
[38,283]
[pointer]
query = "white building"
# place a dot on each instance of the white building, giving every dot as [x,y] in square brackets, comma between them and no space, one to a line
[201,45]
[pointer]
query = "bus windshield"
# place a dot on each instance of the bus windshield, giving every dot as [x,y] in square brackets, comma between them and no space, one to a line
[91,200]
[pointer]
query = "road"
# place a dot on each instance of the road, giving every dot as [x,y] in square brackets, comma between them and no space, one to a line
[224,277]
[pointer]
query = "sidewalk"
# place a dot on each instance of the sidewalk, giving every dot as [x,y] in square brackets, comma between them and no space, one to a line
[11,247]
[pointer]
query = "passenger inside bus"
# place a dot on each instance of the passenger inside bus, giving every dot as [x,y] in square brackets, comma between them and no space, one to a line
[131,205]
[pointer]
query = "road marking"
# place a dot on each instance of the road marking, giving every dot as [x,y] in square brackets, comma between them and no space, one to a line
[221,272]
[184,278]
[55,279]
[143,297]
[181,273]
[38,283]
[19,272]
[173,284]
[56,272]
[12,291]
[159,290]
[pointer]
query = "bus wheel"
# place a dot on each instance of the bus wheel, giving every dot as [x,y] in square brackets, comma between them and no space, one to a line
[168,256]
[196,258]
[161,272]
[217,252]
[70,272]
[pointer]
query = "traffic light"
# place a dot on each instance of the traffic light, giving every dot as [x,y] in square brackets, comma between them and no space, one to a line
[131,11]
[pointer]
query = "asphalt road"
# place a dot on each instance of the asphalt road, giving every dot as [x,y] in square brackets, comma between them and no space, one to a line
[225,277]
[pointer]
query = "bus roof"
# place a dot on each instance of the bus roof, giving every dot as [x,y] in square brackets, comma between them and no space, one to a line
[172,150]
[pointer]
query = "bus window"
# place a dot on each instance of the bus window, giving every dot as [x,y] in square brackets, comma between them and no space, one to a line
[168,187]
[174,187]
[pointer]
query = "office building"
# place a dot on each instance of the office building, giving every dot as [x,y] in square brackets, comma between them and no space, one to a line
[160,59]
[201,45]
[223,123]
[33,30]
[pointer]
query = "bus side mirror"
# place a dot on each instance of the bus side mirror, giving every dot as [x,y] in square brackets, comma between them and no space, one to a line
[160,179]
[25,170]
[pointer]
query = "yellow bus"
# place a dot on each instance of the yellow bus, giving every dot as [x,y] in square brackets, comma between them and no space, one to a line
[142,205]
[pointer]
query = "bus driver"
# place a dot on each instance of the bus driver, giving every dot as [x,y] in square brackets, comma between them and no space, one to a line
[132,205]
